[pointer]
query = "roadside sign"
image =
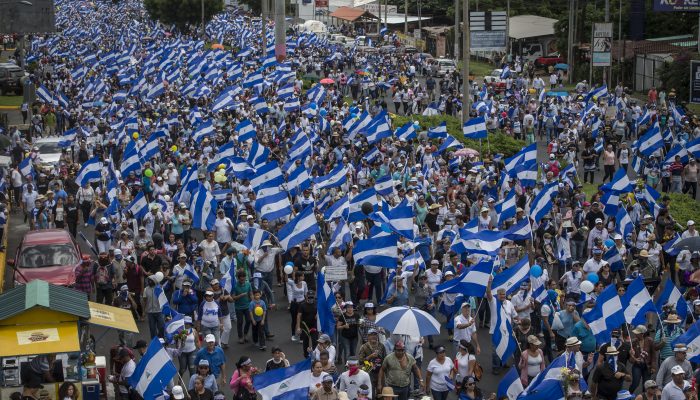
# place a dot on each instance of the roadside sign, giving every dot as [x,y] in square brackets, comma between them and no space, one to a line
[695,81]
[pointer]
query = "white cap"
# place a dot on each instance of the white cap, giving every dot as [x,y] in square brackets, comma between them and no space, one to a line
[690,222]
[449,273]
[178,393]
[676,370]
[210,338]
[598,221]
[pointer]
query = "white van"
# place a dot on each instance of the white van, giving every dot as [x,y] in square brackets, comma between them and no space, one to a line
[443,67]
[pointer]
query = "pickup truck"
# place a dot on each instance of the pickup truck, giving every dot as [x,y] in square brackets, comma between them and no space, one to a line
[552,59]
[494,80]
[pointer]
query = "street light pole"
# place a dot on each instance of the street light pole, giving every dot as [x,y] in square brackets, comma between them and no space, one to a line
[570,41]
[465,63]
[203,33]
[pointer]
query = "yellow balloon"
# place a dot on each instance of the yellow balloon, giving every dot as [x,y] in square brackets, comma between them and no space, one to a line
[220,178]
[259,311]
[174,148]
[221,166]
[135,136]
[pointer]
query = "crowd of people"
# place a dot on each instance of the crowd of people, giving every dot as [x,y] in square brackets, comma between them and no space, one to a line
[220,184]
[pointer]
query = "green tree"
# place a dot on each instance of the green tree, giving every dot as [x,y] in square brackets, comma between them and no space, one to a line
[674,75]
[183,13]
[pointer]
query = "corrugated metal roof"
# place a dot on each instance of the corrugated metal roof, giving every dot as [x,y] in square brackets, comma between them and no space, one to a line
[39,293]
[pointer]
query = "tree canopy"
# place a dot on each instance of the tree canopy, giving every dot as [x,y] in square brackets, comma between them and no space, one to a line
[183,12]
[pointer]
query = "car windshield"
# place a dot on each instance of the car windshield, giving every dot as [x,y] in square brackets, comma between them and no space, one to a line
[47,255]
[48,147]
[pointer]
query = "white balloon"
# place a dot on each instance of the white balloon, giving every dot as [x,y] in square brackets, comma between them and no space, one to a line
[159,276]
[587,286]
[288,269]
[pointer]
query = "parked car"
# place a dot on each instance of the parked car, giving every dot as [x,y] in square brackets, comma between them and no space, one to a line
[443,67]
[552,59]
[11,77]
[494,80]
[49,151]
[51,255]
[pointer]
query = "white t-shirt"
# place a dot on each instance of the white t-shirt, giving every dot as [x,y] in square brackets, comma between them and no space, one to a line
[463,363]
[223,229]
[210,314]
[127,370]
[519,301]
[572,282]
[593,265]
[434,278]
[210,250]
[463,333]
[440,372]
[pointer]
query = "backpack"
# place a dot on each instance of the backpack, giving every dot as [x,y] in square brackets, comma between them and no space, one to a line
[102,275]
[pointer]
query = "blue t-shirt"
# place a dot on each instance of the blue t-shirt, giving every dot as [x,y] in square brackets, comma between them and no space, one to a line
[216,359]
[585,336]
[256,303]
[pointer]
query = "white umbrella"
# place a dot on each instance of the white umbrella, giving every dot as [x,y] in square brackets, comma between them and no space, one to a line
[408,321]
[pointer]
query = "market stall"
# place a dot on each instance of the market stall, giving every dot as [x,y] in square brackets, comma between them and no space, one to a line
[41,323]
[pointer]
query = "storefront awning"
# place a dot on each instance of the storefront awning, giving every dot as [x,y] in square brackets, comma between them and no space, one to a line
[112,317]
[22,340]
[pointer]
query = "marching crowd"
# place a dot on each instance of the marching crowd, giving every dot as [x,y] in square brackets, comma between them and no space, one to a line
[222,187]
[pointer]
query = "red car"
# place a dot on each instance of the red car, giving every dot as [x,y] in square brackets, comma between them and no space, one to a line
[552,59]
[50,255]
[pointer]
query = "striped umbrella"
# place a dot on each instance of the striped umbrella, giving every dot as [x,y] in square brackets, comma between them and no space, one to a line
[408,321]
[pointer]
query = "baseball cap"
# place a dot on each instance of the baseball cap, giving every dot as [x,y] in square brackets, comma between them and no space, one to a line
[677,370]
[178,393]
[650,384]
[327,378]
[210,338]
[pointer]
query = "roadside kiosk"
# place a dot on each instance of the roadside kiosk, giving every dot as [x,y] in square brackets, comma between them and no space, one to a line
[53,323]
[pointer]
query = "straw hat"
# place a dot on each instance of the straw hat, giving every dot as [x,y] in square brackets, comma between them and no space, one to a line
[387,391]
[672,319]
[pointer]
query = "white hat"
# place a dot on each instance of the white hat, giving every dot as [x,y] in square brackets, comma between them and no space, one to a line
[573,341]
[598,221]
[449,273]
[676,370]
[690,222]
[358,225]
[266,243]
[178,393]
[117,252]
[210,338]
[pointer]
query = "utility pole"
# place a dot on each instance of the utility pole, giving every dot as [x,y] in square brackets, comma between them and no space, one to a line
[379,18]
[280,31]
[203,31]
[508,55]
[456,46]
[405,17]
[608,69]
[466,96]
[621,43]
[570,42]
[263,20]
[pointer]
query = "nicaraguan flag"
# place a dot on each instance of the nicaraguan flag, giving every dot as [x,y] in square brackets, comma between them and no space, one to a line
[596,93]
[355,206]
[298,180]
[406,132]
[438,132]
[671,295]
[44,95]
[340,237]
[138,206]
[384,185]
[273,203]
[153,372]
[174,326]
[543,201]
[335,178]
[475,128]
[511,278]
[204,129]
[288,383]
[191,273]
[337,210]
[637,302]
[502,338]
[376,251]
[510,386]
[255,238]
[484,242]
[691,340]
[506,207]
[624,225]
[679,151]
[650,141]
[606,315]
[268,175]
[612,256]
[90,171]
[245,130]
[300,228]
[203,207]
[325,320]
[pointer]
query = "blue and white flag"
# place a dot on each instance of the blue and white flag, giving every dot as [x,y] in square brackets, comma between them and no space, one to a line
[505,72]
[255,238]
[450,143]
[90,171]
[44,95]
[204,129]
[384,185]
[152,146]
[637,302]
[693,147]
[355,205]
[138,206]
[398,219]
[669,246]
[506,208]
[174,326]
[406,132]
[651,141]
[620,183]
[273,203]
[191,273]
[502,338]
[671,295]
[68,138]
[542,203]
[288,383]
[341,236]
[26,167]
[300,228]
[267,175]
[596,93]
[691,340]
[337,210]
[153,372]
[298,180]
[471,282]
[511,278]
[547,385]
[438,132]
[325,321]
[203,207]
[624,225]
[245,130]
[606,315]
[335,178]
[484,242]
[376,251]
[679,151]
[475,128]
[526,156]
[612,257]
[510,386]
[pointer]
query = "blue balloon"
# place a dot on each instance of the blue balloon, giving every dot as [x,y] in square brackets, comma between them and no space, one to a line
[536,271]
[593,278]
[353,115]
[323,112]
[552,294]
[313,105]
[416,125]
[609,243]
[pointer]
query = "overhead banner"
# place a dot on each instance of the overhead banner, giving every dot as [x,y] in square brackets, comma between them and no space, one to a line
[695,81]
[602,44]
[677,5]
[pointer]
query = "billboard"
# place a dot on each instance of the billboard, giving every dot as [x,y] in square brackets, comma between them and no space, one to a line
[487,41]
[695,81]
[322,3]
[25,17]
[677,5]
[602,44]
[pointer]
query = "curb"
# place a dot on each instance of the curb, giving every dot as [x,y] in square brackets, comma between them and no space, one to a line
[9,108]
